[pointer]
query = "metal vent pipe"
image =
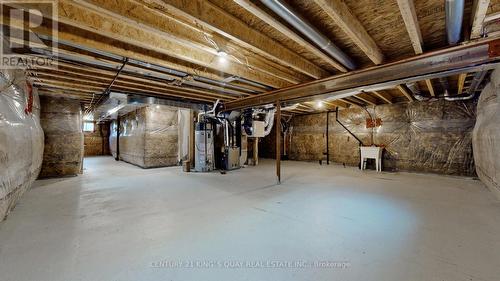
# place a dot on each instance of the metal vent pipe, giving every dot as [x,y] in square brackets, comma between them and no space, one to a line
[302,25]
[454,18]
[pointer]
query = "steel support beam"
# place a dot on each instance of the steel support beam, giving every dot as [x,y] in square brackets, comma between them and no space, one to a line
[475,56]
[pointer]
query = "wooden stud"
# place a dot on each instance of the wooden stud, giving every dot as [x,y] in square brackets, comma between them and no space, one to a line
[479,9]
[343,17]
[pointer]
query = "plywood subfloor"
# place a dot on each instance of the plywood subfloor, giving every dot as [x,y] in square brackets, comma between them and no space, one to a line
[117,221]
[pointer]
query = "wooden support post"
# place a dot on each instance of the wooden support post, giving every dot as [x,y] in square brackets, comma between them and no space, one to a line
[278,140]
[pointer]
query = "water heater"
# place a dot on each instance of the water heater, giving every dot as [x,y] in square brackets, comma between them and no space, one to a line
[204,147]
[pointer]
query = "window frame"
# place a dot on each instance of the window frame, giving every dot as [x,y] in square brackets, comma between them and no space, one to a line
[88,131]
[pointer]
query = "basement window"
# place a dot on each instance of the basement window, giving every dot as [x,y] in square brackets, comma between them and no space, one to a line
[88,126]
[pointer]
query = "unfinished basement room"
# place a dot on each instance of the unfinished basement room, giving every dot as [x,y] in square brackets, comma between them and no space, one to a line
[188,140]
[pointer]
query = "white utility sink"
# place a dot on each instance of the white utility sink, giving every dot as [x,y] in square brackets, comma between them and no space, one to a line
[371,152]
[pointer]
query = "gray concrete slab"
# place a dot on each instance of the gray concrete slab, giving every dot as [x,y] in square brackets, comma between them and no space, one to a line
[120,222]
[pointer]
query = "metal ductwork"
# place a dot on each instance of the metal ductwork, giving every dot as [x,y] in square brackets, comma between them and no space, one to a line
[302,25]
[454,18]
[119,104]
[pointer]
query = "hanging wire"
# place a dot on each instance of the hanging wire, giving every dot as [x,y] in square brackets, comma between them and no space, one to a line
[231,50]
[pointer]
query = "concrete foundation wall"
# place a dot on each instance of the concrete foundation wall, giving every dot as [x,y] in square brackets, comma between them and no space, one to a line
[432,136]
[148,137]
[486,136]
[61,121]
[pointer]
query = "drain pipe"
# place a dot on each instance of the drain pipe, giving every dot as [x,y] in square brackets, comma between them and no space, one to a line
[446,87]
[345,128]
[454,17]
[299,23]
[471,92]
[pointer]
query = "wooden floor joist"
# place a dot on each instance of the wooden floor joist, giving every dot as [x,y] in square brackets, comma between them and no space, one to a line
[428,82]
[405,92]
[461,82]
[367,98]
[343,17]
[383,96]
[275,23]
[121,49]
[217,20]
[410,19]
[114,26]
[479,9]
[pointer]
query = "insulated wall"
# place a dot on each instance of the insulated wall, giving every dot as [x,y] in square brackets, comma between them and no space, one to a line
[486,136]
[21,138]
[96,143]
[61,121]
[148,137]
[428,136]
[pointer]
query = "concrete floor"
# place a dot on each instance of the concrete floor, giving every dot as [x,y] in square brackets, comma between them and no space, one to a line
[119,222]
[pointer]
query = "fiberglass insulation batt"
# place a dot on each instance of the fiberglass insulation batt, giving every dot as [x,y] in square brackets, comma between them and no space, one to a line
[21,138]
[486,135]
[429,136]
[61,121]
[148,137]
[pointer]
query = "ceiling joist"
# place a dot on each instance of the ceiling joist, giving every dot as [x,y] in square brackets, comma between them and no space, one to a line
[410,19]
[343,17]
[215,19]
[479,9]
[272,21]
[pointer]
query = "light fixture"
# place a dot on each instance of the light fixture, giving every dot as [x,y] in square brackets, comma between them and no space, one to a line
[319,104]
[221,53]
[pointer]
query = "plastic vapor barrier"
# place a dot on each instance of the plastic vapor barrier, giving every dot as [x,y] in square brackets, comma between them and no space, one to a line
[148,137]
[486,136]
[21,138]
[431,136]
[97,142]
[61,121]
